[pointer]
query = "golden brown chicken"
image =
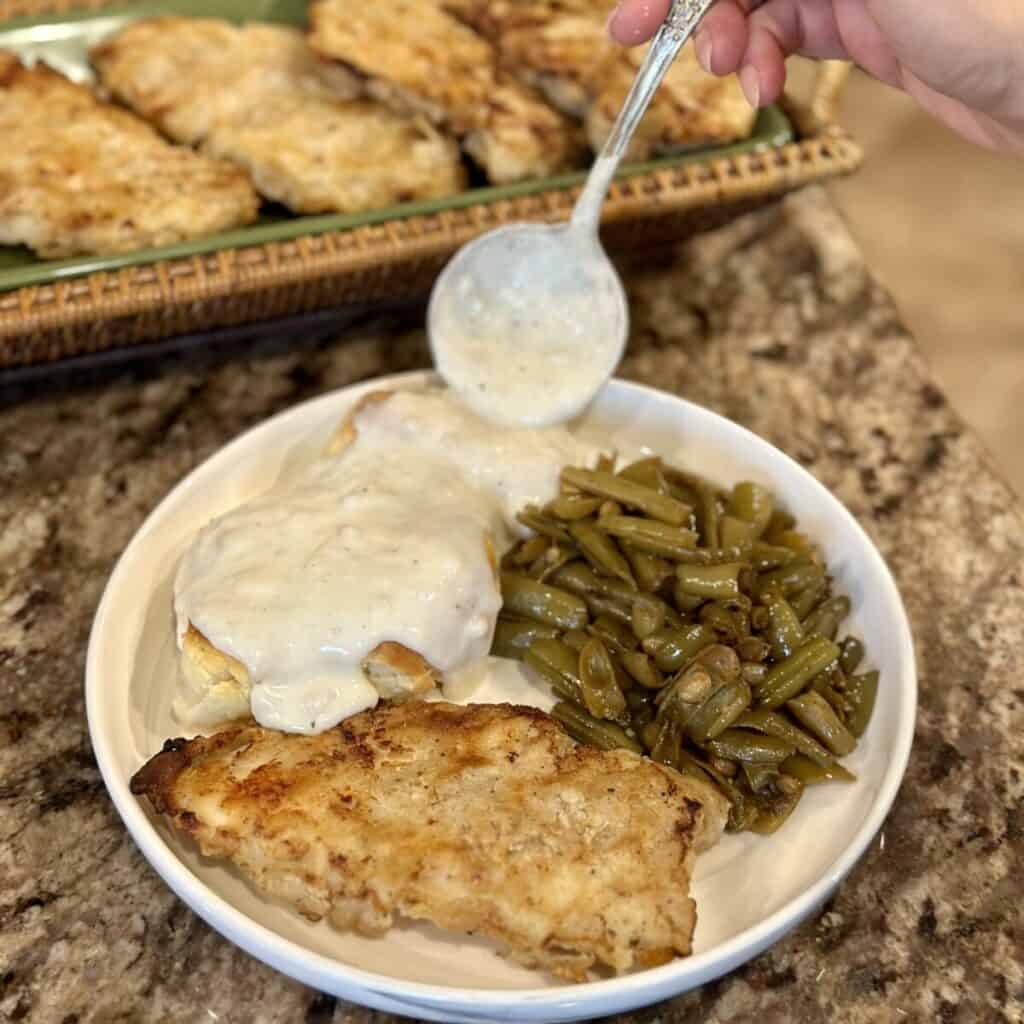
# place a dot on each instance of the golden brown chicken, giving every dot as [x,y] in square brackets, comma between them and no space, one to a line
[259,96]
[562,48]
[418,58]
[483,818]
[80,176]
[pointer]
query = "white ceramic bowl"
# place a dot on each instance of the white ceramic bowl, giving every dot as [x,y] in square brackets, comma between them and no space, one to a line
[749,890]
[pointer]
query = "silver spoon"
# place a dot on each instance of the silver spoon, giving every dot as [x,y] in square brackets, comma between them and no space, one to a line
[528,322]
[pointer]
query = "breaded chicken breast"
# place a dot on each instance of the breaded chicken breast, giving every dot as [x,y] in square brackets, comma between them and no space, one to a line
[257,95]
[418,58]
[562,48]
[80,176]
[690,108]
[485,818]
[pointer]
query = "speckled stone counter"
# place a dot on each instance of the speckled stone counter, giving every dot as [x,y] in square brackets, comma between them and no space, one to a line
[773,321]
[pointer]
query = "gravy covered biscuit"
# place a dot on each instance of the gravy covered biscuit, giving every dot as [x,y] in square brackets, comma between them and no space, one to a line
[371,575]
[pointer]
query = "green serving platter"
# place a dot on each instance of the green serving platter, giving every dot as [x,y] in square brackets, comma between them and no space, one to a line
[63,41]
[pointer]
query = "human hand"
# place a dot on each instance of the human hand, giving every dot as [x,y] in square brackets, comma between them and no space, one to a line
[962,60]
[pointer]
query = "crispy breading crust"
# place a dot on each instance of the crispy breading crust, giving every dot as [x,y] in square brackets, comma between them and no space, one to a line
[82,176]
[416,57]
[259,96]
[562,47]
[486,819]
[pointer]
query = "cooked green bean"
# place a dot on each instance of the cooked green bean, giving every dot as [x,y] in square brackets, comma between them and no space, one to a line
[648,535]
[532,518]
[827,618]
[816,714]
[784,629]
[790,579]
[775,803]
[719,712]
[727,768]
[721,661]
[575,638]
[542,602]
[787,678]
[760,775]
[754,747]
[648,615]
[513,636]
[733,531]
[640,700]
[808,772]
[651,572]
[578,578]
[851,654]
[649,733]
[614,632]
[754,672]
[557,657]
[672,648]
[695,624]
[726,626]
[707,514]
[753,648]
[810,597]
[530,550]
[630,494]
[588,729]
[608,607]
[667,744]
[601,694]
[773,724]
[555,558]
[861,691]
[709,581]
[649,473]
[601,552]
[764,557]
[752,504]
[641,667]
[571,507]
[693,685]
[741,810]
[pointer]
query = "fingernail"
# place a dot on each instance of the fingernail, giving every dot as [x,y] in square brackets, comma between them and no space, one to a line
[705,47]
[750,81]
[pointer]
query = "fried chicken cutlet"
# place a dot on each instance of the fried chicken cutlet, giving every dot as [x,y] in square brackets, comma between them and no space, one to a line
[416,57]
[480,818]
[562,48]
[81,176]
[257,95]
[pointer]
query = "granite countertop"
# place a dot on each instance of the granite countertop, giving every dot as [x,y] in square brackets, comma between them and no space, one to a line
[773,321]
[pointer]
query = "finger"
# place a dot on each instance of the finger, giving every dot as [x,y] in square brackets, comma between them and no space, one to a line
[721,39]
[763,71]
[635,21]
[807,27]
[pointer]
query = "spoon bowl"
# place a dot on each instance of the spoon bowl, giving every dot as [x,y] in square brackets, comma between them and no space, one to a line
[527,322]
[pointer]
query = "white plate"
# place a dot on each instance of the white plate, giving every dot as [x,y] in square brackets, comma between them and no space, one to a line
[749,890]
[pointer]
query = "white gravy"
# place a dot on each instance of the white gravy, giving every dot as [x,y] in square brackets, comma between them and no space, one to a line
[531,328]
[385,541]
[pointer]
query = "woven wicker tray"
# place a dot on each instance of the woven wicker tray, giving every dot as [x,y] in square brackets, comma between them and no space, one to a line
[75,312]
